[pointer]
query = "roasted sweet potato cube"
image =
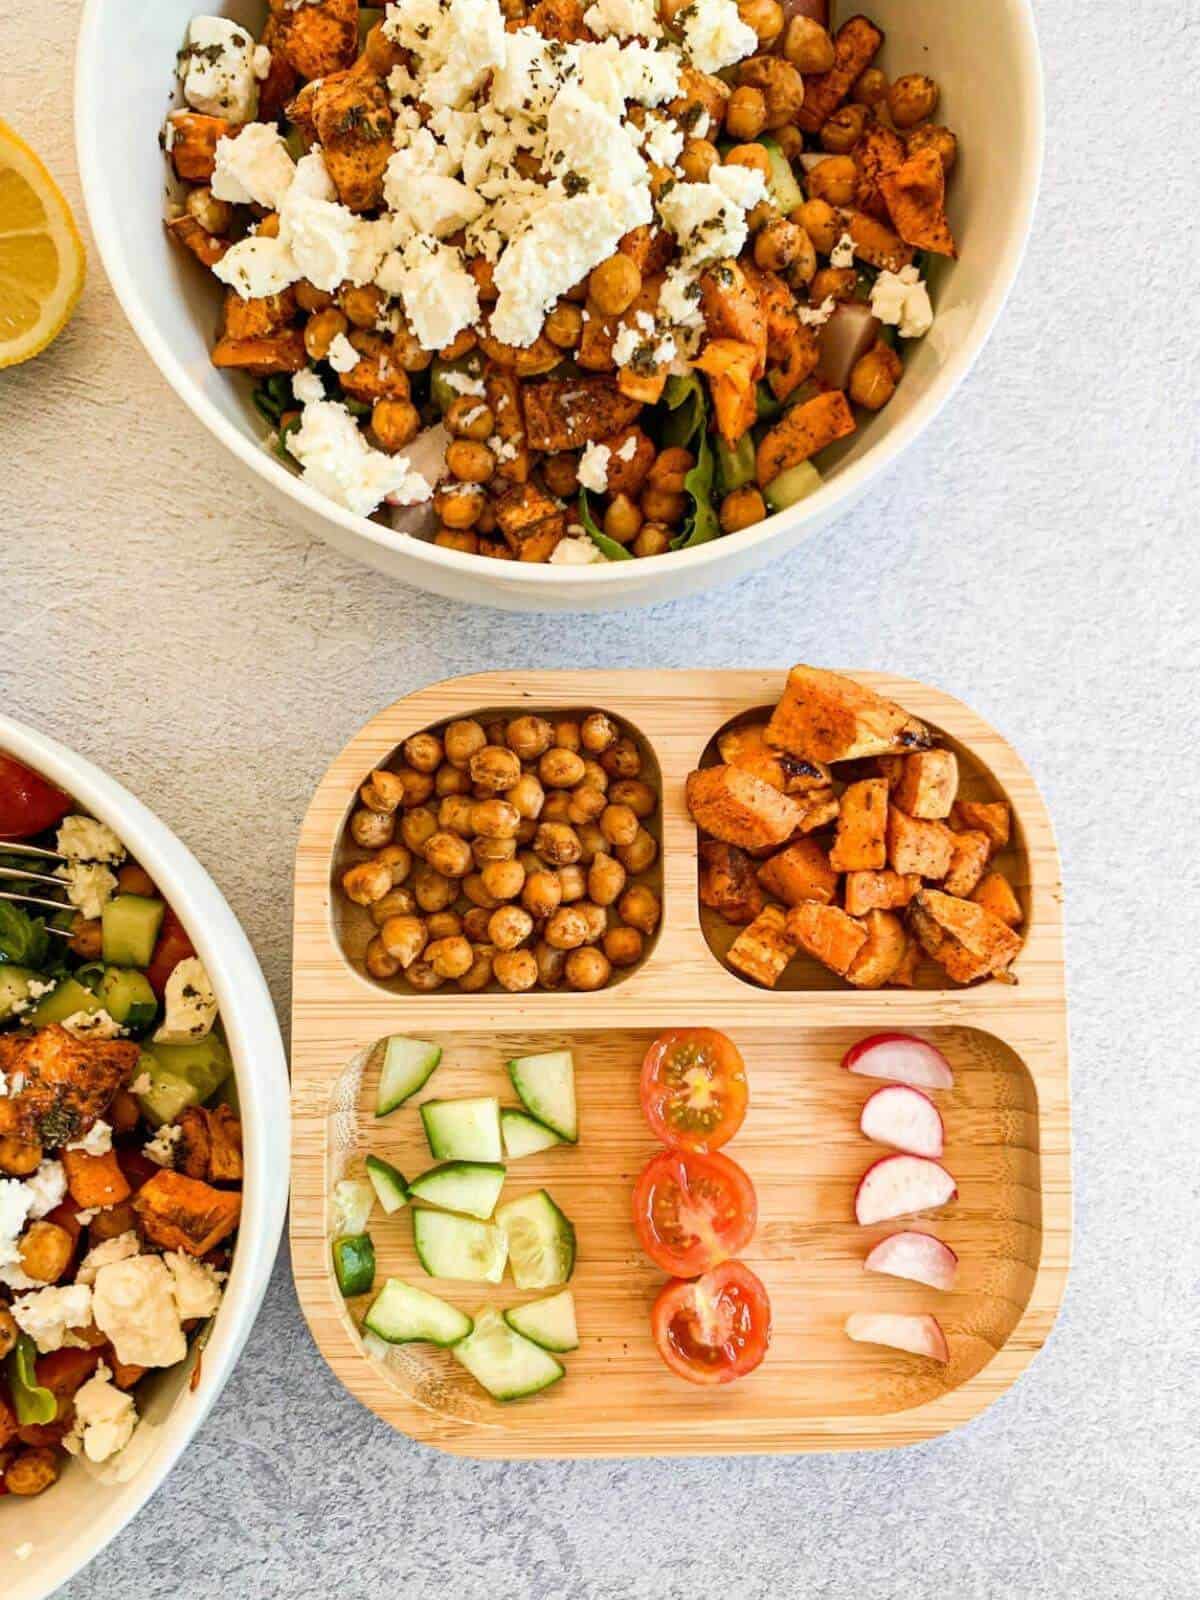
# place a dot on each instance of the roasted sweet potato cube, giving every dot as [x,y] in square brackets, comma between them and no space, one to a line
[878,891]
[818,808]
[884,950]
[67,1083]
[747,747]
[193,1149]
[566,413]
[180,1213]
[353,121]
[875,243]
[733,312]
[741,809]
[962,937]
[927,784]
[855,46]
[256,318]
[205,246]
[523,510]
[915,195]
[880,150]
[996,894]
[192,142]
[802,431]
[860,844]
[94,1180]
[730,368]
[761,951]
[319,37]
[728,883]
[824,716]
[210,1144]
[988,816]
[968,862]
[274,352]
[503,395]
[648,247]
[921,848]
[827,933]
[559,19]
[644,387]
[905,974]
[279,85]
[801,872]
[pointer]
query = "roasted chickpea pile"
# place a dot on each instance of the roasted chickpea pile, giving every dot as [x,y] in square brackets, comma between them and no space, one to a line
[513,852]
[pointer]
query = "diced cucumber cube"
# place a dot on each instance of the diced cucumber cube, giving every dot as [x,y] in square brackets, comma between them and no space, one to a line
[525,1135]
[545,1085]
[549,1323]
[391,1188]
[402,1314]
[541,1241]
[459,1247]
[504,1363]
[408,1064]
[463,1130]
[472,1187]
[129,927]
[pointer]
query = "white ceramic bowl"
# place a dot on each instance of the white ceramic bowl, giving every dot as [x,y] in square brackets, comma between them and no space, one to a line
[984,56]
[70,1523]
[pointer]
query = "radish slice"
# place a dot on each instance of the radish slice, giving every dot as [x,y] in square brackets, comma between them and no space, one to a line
[850,332]
[897,1186]
[920,1336]
[918,1256]
[901,1057]
[904,1118]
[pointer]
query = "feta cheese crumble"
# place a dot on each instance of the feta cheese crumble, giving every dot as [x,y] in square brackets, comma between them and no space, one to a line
[593,468]
[161,1149]
[133,1304]
[93,1025]
[105,1418]
[217,67]
[106,1252]
[46,1188]
[842,254]
[189,1004]
[715,35]
[84,839]
[97,1141]
[337,460]
[195,1285]
[575,552]
[901,299]
[253,165]
[90,886]
[46,1315]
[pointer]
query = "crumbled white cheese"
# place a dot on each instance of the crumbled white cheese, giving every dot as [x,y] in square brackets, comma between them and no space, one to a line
[842,254]
[39,987]
[105,1417]
[161,1149]
[15,1200]
[93,1025]
[90,886]
[85,839]
[714,34]
[817,316]
[142,1084]
[253,164]
[593,467]
[106,1252]
[628,19]
[262,62]
[440,296]
[97,1141]
[628,450]
[575,553]
[189,1004]
[46,1188]
[339,463]
[85,1216]
[342,356]
[4,1080]
[662,140]
[194,1284]
[902,300]
[47,1314]
[133,1304]
[709,219]
[217,65]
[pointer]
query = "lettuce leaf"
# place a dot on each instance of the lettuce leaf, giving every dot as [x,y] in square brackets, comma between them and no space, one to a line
[608,548]
[687,426]
[23,939]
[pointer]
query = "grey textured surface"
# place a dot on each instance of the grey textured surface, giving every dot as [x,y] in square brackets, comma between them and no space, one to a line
[1035,555]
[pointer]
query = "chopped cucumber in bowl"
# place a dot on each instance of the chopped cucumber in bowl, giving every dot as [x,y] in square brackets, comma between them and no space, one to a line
[408,1065]
[545,1085]
[505,1363]
[403,1314]
[541,1241]
[388,1182]
[525,1135]
[472,1187]
[549,1323]
[463,1130]
[459,1247]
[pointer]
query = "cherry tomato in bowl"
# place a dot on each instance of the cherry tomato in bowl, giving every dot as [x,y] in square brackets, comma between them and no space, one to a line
[692,1211]
[715,1328]
[693,1089]
[28,804]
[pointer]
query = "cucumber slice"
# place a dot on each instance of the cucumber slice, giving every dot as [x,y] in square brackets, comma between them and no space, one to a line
[505,1364]
[458,1247]
[128,998]
[472,1187]
[402,1314]
[408,1065]
[462,1130]
[545,1085]
[549,1323]
[353,1202]
[205,1063]
[735,463]
[791,486]
[354,1264]
[129,927]
[541,1242]
[169,1093]
[525,1135]
[64,1002]
[388,1182]
[782,187]
[14,989]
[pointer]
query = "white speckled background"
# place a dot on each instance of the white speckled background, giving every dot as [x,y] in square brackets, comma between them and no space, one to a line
[1037,555]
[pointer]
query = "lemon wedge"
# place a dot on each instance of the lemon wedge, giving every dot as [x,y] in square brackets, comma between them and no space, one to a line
[42,260]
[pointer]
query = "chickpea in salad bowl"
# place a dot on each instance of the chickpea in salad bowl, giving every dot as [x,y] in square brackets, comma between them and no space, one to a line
[120,1141]
[575,282]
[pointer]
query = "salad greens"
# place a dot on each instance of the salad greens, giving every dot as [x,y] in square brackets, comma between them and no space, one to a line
[32,1402]
[608,547]
[23,939]
[687,426]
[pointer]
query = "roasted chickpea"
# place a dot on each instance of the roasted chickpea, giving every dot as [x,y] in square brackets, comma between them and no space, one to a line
[443,925]
[32,1472]
[475,923]
[461,345]
[366,882]
[804,265]
[742,508]
[403,938]
[587,969]
[766,17]
[462,739]
[807,45]
[417,827]
[564,325]
[821,222]
[619,824]
[432,890]
[479,974]
[622,519]
[321,329]
[9,1332]
[124,1113]
[17,1158]
[606,880]
[459,505]
[842,130]
[509,926]
[515,970]
[398,861]
[870,88]
[697,159]
[456,814]
[639,854]
[45,1251]
[746,113]
[542,894]
[762,214]
[557,806]
[669,473]
[874,377]
[753,156]
[586,804]
[591,842]
[310,298]
[624,946]
[560,769]
[940,139]
[448,854]
[268,228]
[470,460]
[362,303]
[640,908]
[615,284]
[476,893]
[654,540]
[418,786]
[113,1221]
[395,903]
[835,179]
[526,796]
[572,883]
[566,929]
[423,752]
[781,84]
[469,418]
[660,505]
[596,918]
[495,818]
[494,768]
[383,791]
[561,473]
[529,737]
[912,98]
[551,965]
[504,879]
[557,843]
[451,780]
[424,977]
[132,879]
[778,244]
[833,283]
[371,829]
[395,424]
[379,962]
[451,957]
[485,849]
[567,735]
[638,796]
[623,759]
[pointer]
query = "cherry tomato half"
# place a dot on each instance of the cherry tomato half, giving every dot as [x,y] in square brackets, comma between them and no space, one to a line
[694,1092]
[171,947]
[715,1328]
[28,804]
[692,1211]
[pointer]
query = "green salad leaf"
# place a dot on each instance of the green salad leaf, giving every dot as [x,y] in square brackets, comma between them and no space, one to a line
[687,426]
[32,1402]
[23,939]
[608,547]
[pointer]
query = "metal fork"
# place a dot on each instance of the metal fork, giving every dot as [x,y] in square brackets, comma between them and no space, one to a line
[36,856]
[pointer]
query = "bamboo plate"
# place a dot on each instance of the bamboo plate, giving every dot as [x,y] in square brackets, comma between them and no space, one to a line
[1007,1123]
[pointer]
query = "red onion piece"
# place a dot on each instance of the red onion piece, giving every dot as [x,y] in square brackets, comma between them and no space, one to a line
[850,332]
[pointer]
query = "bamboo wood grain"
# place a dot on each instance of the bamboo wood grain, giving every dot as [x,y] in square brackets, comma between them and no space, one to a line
[1007,1121]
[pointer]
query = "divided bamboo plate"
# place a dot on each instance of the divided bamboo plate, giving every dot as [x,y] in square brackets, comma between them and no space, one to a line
[1007,1125]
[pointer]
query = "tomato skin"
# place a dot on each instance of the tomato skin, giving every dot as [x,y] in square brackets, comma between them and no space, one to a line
[713,1329]
[693,1210]
[28,803]
[693,1089]
[173,946]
